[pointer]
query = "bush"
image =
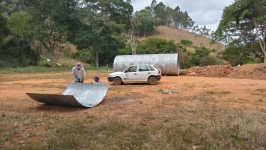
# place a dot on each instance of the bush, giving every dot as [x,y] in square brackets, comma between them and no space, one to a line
[21,51]
[210,60]
[156,46]
[68,53]
[186,42]
[8,61]
[44,62]
[201,57]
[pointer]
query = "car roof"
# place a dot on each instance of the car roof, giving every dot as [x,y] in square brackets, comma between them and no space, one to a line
[142,64]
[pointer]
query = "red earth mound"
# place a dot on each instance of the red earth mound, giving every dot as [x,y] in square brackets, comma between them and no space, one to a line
[248,71]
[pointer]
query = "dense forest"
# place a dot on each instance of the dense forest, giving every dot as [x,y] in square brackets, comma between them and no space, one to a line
[102,29]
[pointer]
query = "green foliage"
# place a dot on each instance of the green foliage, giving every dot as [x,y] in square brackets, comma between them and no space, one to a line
[145,23]
[165,15]
[201,57]
[97,28]
[20,24]
[68,52]
[244,20]
[9,61]
[86,55]
[99,35]
[239,53]
[156,46]
[181,48]
[44,62]
[125,51]
[186,42]
[21,51]
[210,60]
[3,29]
[109,50]
[18,44]
[202,52]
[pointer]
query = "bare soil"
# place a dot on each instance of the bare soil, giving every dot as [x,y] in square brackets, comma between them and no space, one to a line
[240,88]
[248,71]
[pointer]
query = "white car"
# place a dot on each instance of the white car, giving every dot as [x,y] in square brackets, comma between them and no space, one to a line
[136,74]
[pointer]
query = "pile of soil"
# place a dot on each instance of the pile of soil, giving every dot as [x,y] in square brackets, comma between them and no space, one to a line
[247,71]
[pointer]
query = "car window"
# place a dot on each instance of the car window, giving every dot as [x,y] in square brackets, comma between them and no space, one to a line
[151,68]
[143,68]
[133,69]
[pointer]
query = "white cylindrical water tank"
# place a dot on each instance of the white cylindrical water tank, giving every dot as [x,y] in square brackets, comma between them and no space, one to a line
[168,63]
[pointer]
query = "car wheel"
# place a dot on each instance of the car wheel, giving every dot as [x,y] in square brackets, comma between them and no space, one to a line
[152,80]
[117,81]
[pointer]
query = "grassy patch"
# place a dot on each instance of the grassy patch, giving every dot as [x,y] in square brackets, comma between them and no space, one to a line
[218,92]
[260,90]
[183,128]
[38,69]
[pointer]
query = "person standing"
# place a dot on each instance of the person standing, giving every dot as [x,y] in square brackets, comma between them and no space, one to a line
[78,72]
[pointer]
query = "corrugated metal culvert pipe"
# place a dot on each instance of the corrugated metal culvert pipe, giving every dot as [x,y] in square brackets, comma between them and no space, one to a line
[168,63]
[76,94]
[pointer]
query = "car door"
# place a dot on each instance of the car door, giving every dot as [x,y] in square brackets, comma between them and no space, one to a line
[130,74]
[143,72]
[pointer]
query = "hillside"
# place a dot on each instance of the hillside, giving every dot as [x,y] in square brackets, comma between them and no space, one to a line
[178,34]
[161,32]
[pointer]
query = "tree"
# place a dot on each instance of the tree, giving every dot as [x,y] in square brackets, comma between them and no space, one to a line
[157,46]
[160,13]
[245,20]
[3,29]
[100,23]
[21,38]
[20,24]
[131,28]
[11,6]
[144,23]
[47,17]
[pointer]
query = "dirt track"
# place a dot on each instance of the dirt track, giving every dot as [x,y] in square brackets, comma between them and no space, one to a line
[126,100]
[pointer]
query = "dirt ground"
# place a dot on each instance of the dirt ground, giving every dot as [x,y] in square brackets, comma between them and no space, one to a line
[248,71]
[238,87]
[241,88]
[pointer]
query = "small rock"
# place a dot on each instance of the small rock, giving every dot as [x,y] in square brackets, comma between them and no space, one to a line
[174,91]
[165,92]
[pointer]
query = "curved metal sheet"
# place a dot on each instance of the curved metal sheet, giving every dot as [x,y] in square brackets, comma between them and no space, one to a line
[76,94]
[168,63]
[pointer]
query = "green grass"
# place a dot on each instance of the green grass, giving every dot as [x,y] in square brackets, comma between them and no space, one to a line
[38,69]
[184,128]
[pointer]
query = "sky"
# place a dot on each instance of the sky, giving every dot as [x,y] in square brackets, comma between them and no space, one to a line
[204,12]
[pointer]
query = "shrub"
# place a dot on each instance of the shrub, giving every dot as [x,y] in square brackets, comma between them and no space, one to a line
[44,62]
[156,46]
[68,53]
[210,60]
[186,42]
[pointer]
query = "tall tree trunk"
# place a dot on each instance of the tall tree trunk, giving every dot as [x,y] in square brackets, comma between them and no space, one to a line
[51,55]
[133,43]
[264,54]
[97,59]
[262,41]
[132,36]
[50,50]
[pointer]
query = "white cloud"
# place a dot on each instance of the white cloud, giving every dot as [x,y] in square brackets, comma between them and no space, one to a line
[204,12]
